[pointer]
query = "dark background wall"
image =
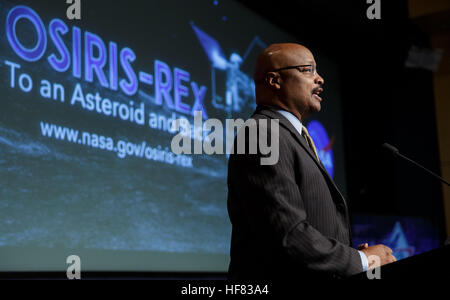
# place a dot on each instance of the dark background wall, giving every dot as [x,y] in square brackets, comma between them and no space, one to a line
[383,101]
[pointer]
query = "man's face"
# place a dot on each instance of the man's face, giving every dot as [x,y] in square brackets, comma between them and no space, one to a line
[300,87]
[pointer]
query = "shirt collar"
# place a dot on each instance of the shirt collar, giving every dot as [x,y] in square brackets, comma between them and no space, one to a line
[293,119]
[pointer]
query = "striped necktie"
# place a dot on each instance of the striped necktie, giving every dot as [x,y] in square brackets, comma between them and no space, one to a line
[310,141]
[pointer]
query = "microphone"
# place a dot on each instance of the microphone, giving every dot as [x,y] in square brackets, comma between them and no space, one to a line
[391,149]
[394,151]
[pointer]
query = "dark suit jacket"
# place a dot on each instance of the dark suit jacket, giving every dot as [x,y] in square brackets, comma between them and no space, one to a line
[289,220]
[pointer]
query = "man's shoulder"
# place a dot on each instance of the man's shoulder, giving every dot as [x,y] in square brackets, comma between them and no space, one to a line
[284,127]
[265,112]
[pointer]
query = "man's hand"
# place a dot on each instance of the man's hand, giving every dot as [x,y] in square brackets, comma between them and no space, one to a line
[383,252]
[362,246]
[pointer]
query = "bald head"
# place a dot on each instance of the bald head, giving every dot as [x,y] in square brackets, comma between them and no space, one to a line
[278,56]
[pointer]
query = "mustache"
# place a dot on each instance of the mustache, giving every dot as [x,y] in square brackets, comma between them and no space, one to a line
[317,89]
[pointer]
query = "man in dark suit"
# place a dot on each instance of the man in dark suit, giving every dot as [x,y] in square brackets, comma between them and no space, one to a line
[289,219]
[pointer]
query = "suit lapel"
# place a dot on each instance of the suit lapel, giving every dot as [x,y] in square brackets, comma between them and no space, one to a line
[269,112]
[301,140]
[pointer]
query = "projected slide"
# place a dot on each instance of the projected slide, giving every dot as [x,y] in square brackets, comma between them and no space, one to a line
[87,108]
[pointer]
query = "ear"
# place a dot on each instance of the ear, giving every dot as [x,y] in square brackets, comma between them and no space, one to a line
[273,80]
